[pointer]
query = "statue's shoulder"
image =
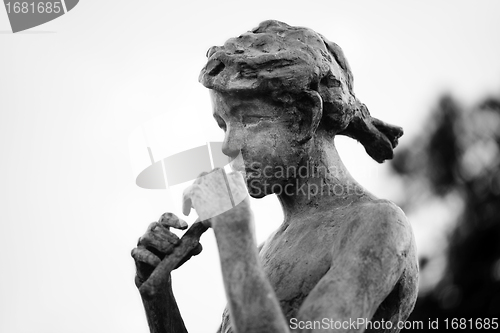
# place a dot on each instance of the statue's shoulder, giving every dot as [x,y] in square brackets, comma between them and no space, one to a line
[379,223]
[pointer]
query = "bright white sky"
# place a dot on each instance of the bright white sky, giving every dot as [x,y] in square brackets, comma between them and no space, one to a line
[74,90]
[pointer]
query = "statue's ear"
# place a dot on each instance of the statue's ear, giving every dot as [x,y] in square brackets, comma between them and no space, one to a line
[311,105]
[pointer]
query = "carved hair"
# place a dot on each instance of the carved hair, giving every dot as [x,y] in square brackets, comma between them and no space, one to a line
[285,61]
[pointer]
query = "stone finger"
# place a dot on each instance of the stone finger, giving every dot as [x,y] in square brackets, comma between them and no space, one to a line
[187,202]
[197,250]
[160,242]
[143,255]
[171,220]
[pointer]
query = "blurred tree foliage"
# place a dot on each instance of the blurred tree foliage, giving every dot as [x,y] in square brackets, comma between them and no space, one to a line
[459,154]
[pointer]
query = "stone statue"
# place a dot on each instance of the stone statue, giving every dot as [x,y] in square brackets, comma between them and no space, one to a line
[341,257]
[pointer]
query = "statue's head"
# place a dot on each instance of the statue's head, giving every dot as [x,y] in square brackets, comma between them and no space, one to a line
[276,87]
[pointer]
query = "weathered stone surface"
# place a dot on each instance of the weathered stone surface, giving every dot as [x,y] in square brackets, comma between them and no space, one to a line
[281,94]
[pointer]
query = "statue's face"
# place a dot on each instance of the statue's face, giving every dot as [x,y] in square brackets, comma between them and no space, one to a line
[261,138]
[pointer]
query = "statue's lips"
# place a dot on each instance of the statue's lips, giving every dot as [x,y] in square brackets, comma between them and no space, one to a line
[240,167]
[238,164]
[248,173]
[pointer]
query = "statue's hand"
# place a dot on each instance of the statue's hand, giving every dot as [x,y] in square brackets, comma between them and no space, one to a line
[155,244]
[219,199]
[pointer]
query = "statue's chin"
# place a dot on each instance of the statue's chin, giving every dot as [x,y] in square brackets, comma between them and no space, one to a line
[260,187]
[255,188]
[257,195]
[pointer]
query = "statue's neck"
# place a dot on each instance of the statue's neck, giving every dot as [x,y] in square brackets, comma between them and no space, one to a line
[326,185]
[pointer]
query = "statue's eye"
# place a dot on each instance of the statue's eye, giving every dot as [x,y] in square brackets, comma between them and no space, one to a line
[250,119]
[220,122]
[255,119]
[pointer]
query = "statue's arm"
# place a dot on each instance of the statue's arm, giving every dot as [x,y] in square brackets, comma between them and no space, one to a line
[368,260]
[252,303]
[162,312]
[159,302]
